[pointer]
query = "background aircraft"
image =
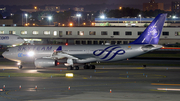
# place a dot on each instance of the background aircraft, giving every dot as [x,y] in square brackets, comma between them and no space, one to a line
[49,55]
[9,39]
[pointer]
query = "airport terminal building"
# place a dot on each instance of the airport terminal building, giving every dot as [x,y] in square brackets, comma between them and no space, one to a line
[88,35]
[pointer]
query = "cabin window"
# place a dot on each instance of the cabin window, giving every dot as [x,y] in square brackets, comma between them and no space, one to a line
[35,32]
[23,32]
[47,33]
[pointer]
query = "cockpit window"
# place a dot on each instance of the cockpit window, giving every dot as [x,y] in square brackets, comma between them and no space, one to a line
[19,38]
[7,50]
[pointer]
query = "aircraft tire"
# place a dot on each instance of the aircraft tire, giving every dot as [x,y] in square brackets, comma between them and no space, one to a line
[76,67]
[20,66]
[86,67]
[92,66]
[70,68]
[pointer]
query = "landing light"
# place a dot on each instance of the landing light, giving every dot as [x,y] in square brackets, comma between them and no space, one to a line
[30,53]
[18,63]
[14,45]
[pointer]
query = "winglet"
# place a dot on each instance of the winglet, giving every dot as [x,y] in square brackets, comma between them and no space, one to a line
[152,33]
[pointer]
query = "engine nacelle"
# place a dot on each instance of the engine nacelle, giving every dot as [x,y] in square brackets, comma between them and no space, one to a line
[45,62]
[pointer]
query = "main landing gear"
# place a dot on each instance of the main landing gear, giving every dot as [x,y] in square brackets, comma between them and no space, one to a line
[73,68]
[89,67]
[20,66]
[77,67]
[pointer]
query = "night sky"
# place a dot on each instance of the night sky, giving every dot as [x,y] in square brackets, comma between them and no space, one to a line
[78,2]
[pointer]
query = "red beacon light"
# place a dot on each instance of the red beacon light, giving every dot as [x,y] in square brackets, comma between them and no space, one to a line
[66,44]
[58,63]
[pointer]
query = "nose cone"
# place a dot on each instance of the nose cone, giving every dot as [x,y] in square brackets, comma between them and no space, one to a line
[4,54]
[20,41]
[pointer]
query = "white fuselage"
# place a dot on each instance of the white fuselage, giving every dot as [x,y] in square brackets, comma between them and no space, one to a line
[82,52]
[8,39]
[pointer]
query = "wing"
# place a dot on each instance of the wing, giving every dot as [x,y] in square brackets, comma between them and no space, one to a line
[71,59]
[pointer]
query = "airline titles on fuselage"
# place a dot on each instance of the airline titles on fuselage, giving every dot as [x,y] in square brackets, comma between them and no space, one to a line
[4,37]
[35,48]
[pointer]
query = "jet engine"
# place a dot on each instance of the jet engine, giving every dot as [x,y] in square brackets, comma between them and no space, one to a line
[45,62]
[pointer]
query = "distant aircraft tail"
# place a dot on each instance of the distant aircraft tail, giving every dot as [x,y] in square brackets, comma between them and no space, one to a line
[152,33]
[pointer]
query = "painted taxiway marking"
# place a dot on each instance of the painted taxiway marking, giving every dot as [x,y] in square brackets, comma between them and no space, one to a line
[102,72]
[168,89]
[165,84]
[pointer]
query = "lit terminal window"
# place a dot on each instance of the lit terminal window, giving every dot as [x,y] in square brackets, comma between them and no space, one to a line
[35,32]
[12,32]
[92,32]
[47,33]
[23,32]
[68,32]
[55,33]
[1,32]
[80,32]
[177,33]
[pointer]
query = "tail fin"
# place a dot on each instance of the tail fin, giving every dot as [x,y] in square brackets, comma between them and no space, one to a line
[152,33]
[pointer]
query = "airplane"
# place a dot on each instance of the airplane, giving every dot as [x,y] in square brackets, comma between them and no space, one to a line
[9,39]
[75,55]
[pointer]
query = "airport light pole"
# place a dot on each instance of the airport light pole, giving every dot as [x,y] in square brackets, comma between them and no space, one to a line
[92,17]
[140,17]
[26,17]
[49,18]
[78,16]
[102,16]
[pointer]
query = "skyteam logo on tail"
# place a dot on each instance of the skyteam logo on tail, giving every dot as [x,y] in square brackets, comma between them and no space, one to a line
[153,32]
[109,53]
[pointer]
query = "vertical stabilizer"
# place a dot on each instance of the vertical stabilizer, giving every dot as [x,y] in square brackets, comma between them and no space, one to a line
[152,33]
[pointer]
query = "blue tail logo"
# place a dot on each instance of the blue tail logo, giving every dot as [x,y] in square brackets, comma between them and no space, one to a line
[152,33]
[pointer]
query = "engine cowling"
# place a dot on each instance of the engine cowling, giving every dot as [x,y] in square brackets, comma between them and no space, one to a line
[45,62]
